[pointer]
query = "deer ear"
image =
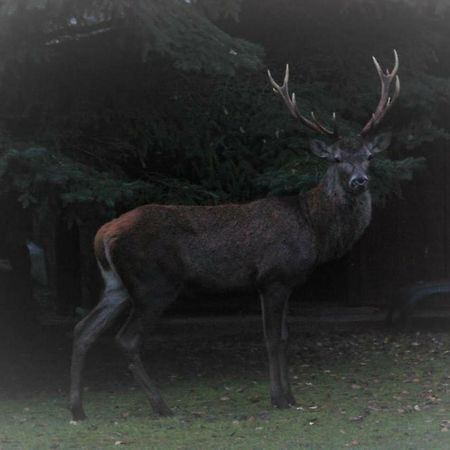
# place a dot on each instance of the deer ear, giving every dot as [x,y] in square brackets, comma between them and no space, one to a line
[380,143]
[320,149]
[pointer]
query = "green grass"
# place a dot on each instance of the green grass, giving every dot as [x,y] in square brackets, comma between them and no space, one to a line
[361,389]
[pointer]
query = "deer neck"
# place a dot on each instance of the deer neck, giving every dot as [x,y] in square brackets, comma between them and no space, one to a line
[337,217]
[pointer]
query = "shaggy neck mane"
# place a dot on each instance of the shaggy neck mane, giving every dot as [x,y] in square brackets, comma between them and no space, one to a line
[337,217]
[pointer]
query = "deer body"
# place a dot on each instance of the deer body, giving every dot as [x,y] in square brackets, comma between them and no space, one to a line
[234,247]
[224,248]
[150,255]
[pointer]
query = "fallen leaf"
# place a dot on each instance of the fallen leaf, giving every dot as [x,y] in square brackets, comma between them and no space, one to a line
[356,418]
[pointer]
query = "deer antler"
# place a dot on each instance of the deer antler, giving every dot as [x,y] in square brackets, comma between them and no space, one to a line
[386,101]
[291,104]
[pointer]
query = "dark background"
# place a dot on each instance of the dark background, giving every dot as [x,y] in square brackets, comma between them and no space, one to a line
[169,102]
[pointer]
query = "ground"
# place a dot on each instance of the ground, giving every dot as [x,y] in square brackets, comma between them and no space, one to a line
[358,385]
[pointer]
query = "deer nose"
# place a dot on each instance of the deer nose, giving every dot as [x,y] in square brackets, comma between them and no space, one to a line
[359,182]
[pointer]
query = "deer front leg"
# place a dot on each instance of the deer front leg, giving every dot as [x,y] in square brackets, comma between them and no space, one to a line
[284,374]
[274,300]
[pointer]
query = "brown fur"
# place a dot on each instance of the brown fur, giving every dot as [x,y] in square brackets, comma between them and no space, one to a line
[234,246]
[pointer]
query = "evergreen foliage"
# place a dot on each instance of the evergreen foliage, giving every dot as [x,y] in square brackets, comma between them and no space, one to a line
[42,29]
[33,173]
[113,103]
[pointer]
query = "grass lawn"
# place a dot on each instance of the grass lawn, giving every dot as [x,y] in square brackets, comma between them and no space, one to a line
[357,386]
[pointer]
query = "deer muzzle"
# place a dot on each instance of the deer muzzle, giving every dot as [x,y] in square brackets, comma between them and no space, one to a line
[359,183]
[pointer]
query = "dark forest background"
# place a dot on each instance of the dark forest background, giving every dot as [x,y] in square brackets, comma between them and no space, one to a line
[110,104]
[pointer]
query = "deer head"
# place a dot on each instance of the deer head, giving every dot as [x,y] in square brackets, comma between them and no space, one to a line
[350,155]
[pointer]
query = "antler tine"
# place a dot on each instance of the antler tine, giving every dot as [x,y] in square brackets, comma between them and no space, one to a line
[335,125]
[396,64]
[323,129]
[284,91]
[386,101]
[291,104]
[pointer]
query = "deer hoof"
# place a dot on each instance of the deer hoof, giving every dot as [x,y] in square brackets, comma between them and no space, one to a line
[165,413]
[163,410]
[78,414]
[280,402]
[291,400]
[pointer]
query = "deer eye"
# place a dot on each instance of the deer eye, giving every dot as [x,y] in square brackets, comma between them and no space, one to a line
[337,159]
[370,157]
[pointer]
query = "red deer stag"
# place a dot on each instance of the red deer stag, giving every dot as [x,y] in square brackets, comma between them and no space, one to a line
[152,254]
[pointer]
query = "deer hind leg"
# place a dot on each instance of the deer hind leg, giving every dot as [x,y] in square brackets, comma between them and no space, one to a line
[129,340]
[274,299]
[114,301]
